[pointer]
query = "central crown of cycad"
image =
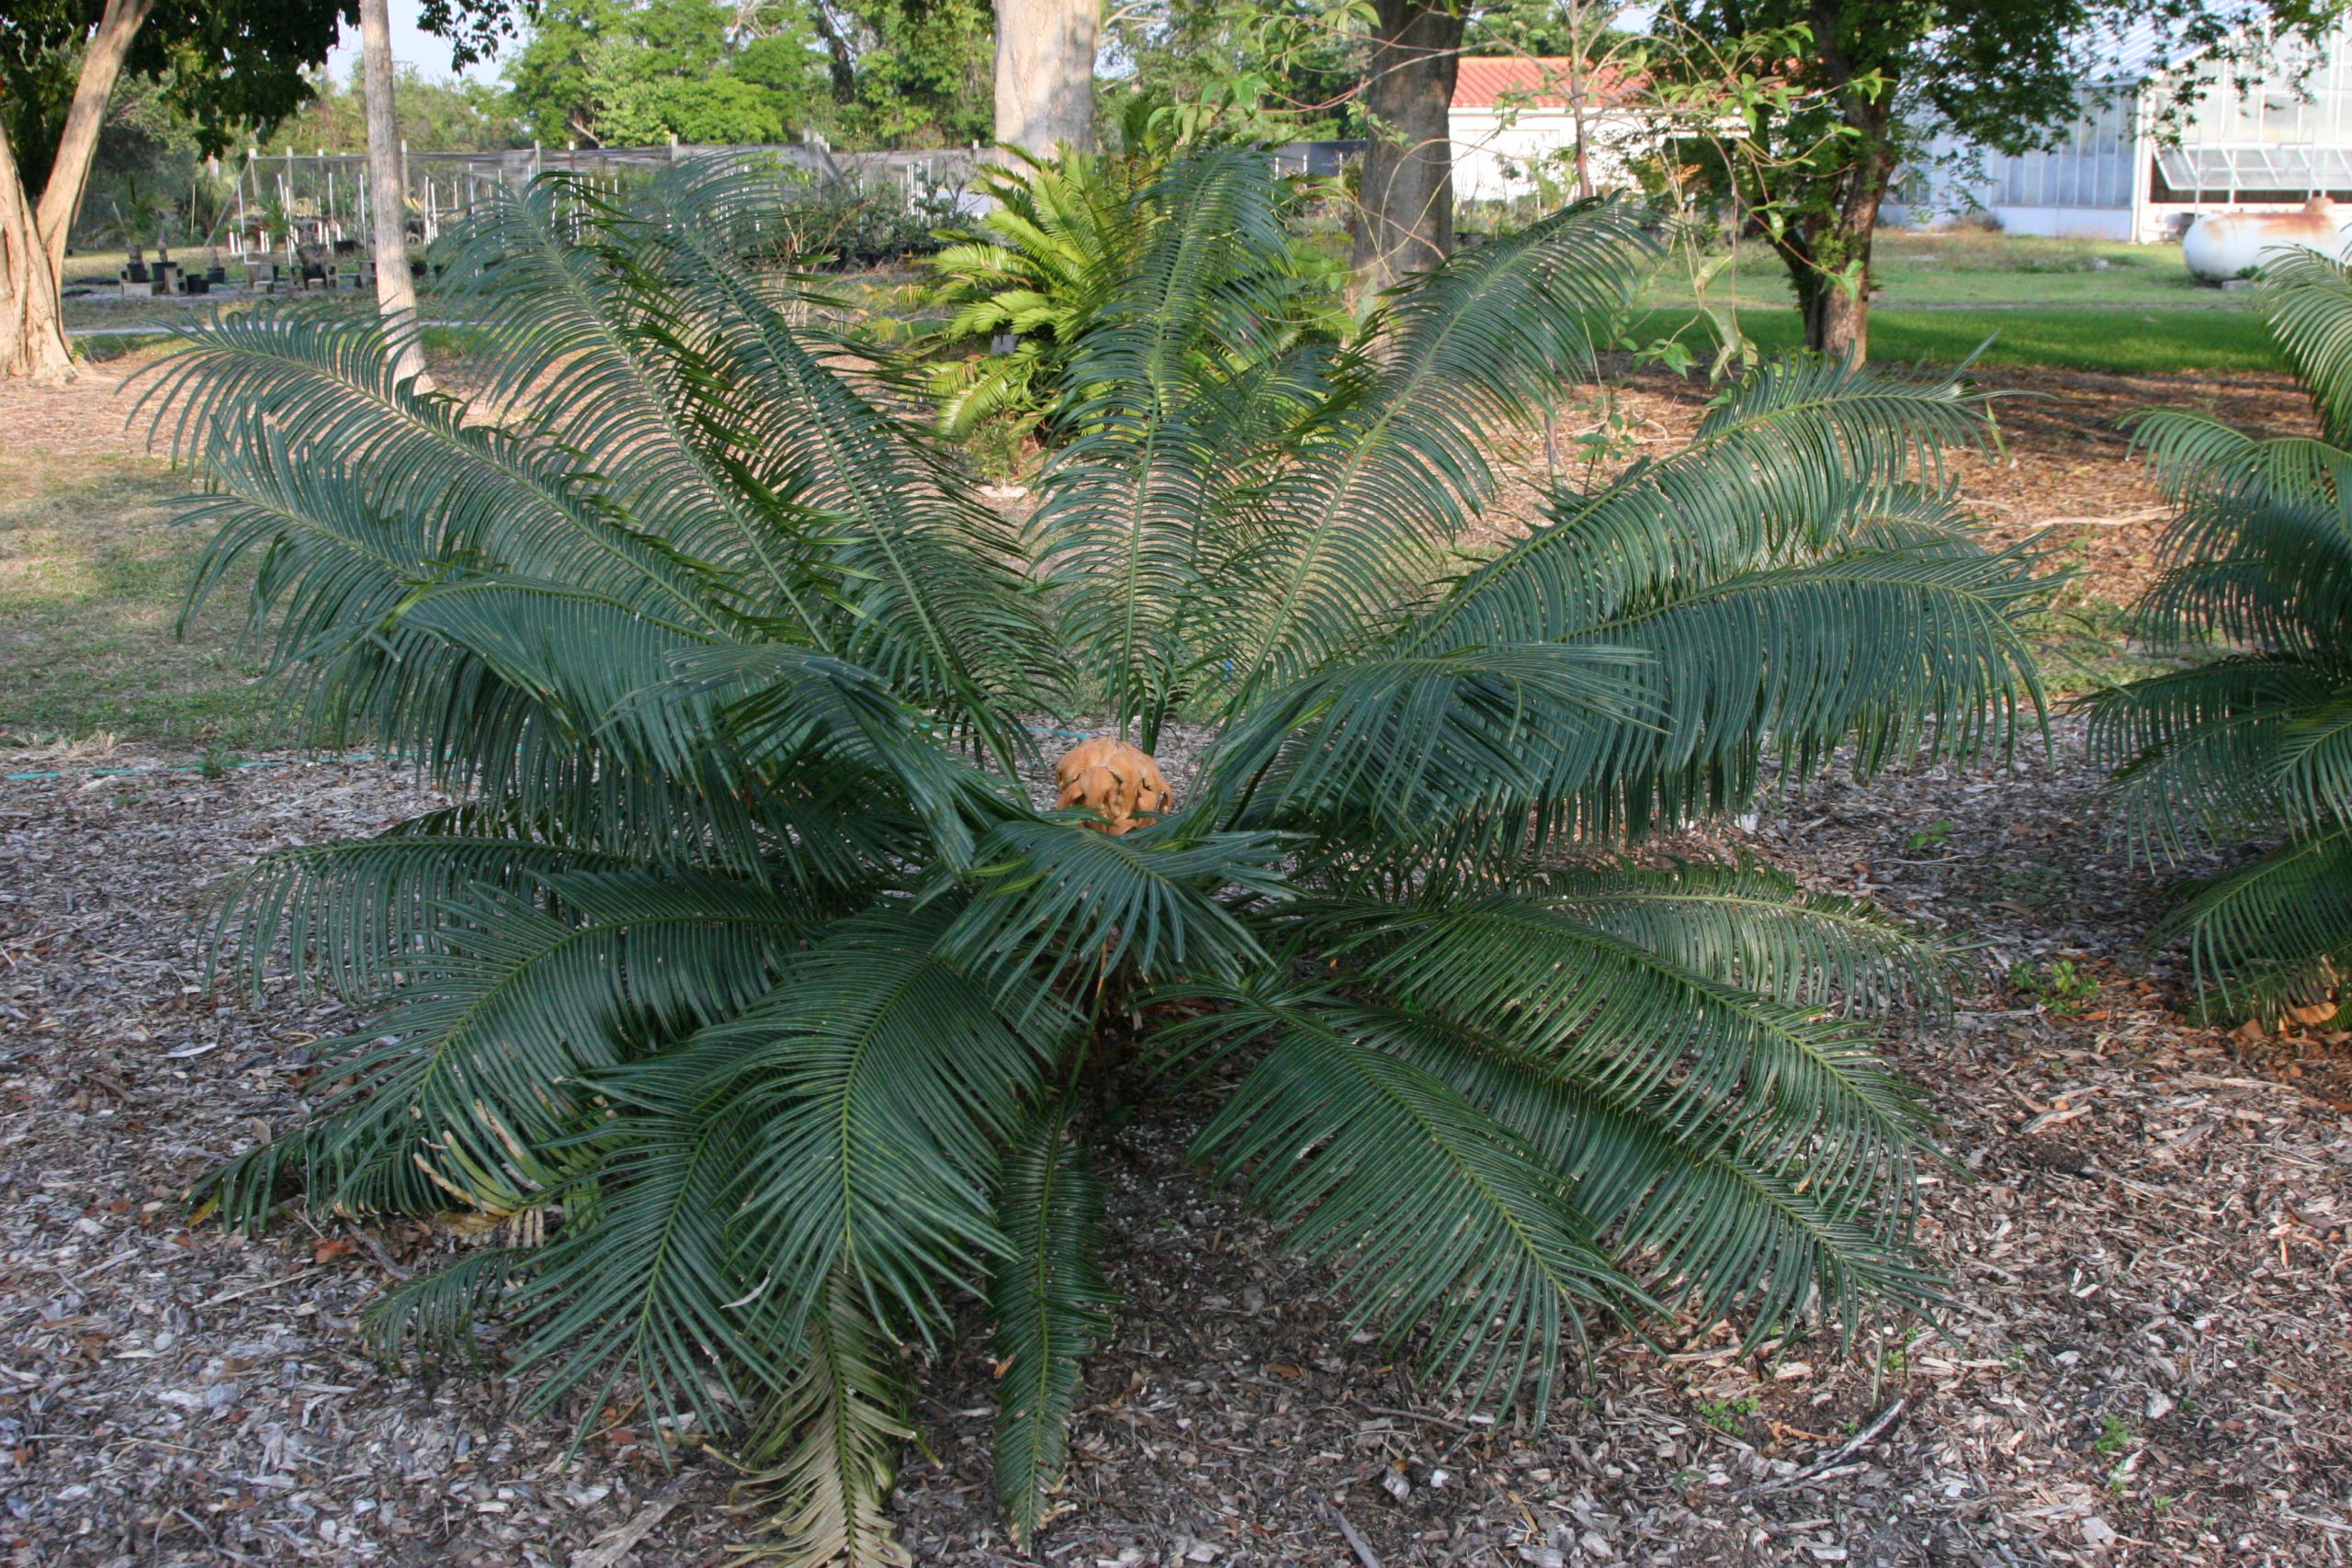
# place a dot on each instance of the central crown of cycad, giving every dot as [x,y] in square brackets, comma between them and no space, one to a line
[1119,782]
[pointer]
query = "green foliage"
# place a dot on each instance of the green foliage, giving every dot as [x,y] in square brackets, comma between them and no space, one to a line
[2062,989]
[219,67]
[1048,263]
[1730,1414]
[745,969]
[1248,69]
[2256,742]
[873,73]
[635,73]
[1934,836]
[457,116]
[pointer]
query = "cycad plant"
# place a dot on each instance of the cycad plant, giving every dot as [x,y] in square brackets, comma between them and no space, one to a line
[749,985]
[1051,256]
[2252,736]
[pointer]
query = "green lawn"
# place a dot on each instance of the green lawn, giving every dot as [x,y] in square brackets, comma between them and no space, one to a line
[2055,304]
[92,574]
[2127,341]
[1969,267]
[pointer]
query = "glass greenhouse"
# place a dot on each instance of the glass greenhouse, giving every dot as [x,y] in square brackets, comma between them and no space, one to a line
[2147,153]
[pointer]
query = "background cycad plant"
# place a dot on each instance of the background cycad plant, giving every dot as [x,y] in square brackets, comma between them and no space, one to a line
[1052,255]
[2253,737]
[748,976]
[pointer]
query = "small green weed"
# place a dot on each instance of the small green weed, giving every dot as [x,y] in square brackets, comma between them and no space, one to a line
[2064,990]
[1934,836]
[1729,1415]
[2115,1434]
[216,763]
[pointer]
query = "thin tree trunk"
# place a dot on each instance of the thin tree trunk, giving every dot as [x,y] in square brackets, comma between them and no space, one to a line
[388,195]
[1405,219]
[1829,245]
[69,175]
[1838,322]
[32,337]
[32,241]
[1045,73]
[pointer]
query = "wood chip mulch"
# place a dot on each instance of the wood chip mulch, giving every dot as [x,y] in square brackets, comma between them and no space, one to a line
[2145,1229]
[2145,1232]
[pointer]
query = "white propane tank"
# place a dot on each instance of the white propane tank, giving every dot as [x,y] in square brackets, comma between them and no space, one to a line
[2219,246]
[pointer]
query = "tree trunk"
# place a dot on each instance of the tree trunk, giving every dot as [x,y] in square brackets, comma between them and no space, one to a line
[1827,247]
[1837,323]
[32,338]
[1405,218]
[69,173]
[1045,73]
[388,196]
[32,243]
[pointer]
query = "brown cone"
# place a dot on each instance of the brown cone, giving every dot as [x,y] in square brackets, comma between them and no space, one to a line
[1117,782]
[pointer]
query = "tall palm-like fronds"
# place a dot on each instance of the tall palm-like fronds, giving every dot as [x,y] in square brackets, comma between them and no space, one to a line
[2256,739]
[1044,267]
[746,974]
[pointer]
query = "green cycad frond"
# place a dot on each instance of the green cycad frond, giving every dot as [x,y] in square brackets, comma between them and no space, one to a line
[2264,572]
[274,388]
[1401,748]
[2277,933]
[519,998]
[1130,519]
[1753,926]
[1890,649]
[1395,465]
[1441,1216]
[435,1315]
[2256,734]
[1708,1211]
[1060,898]
[1050,1305]
[927,574]
[2193,454]
[881,1077]
[1592,1005]
[646,1279]
[2307,298]
[2195,752]
[830,1442]
[590,348]
[2315,761]
[354,911]
[1800,457]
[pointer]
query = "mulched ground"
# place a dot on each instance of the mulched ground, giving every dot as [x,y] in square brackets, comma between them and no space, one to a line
[2143,1360]
[2145,1227]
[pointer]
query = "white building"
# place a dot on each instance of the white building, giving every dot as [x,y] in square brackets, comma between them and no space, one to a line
[1513,124]
[2250,143]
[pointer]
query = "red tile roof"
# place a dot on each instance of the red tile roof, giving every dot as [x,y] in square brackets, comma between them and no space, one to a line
[1531,82]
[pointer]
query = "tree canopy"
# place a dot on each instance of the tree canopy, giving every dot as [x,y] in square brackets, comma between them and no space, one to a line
[459,115]
[221,65]
[620,72]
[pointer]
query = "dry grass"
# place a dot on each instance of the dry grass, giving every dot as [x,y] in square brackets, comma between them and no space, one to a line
[92,575]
